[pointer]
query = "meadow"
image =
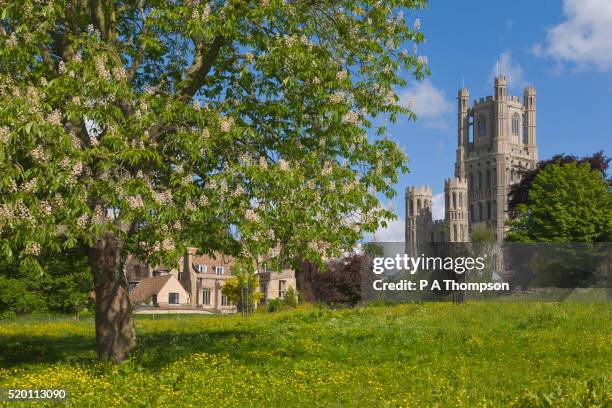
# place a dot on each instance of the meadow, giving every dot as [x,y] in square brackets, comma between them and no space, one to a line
[433,354]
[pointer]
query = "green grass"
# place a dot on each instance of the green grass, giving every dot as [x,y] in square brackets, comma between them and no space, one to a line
[436,354]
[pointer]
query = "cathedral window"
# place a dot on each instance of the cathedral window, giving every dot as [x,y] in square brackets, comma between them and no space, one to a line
[411,207]
[454,201]
[516,125]
[479,181]
[472,216]
[488,178]
[460,200]
[489,210]
[455,233]
[480,212]
[482,126]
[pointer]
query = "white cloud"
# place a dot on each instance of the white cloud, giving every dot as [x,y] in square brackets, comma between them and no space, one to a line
[437,202]
[507,67]
[429,104]
[393,233]
[585,36]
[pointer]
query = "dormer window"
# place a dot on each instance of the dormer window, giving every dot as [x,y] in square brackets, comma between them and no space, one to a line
[218,270]
[201,268]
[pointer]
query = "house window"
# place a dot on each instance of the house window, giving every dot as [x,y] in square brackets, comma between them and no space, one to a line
[201,268]
[133,285]
[264,290]
[281,288]
[173,298]
[224,301]
[206,297]
[218,270]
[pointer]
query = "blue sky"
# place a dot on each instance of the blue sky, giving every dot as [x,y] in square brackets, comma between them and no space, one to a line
[562,47]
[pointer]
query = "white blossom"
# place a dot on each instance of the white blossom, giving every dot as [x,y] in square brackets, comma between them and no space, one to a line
[135,202]
[283,165]
[251,215]
[4,134]
[351,118]
[226,124]
[55,118]
[263,163]
[32,248]
[101,69]
[417,24]
[120,74]
[82,221]
[206,12]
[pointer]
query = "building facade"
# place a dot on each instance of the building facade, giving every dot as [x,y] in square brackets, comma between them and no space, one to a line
[496,139]
[202,277]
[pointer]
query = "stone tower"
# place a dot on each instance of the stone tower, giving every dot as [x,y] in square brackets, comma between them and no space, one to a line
[455,200]
[418,219]
[496,139]
[500,142]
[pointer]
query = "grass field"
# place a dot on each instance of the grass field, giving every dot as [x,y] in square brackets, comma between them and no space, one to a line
[436,354]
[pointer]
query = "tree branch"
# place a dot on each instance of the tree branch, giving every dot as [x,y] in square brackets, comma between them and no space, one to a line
[202,63]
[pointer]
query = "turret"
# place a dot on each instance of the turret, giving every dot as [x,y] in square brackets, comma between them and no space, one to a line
[418,217]
[456,204]
[500,87]
[529,110]
[463,130]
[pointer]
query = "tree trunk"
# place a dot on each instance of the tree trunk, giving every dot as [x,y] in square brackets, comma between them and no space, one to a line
[115,334]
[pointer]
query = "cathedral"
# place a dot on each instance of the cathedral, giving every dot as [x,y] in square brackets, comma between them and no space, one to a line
[496,138]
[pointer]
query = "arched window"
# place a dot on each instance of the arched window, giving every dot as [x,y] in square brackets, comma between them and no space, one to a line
[482,126]
[472,216]
[471,129]
[524,136]
[460,200]
[516,124]
[411,207]
[455,233]
[454,201]
[489,210]
[471,183]
[419,206]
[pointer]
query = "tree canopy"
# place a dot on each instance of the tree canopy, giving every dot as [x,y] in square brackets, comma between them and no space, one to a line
[568,202]
[141,127]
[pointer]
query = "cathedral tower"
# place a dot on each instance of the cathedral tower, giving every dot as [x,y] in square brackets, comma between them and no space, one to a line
[418,218]
[455,205]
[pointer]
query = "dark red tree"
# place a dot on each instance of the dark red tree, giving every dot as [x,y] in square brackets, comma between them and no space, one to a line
[338,283]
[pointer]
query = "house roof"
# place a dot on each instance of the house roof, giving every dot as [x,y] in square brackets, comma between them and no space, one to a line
[149,287]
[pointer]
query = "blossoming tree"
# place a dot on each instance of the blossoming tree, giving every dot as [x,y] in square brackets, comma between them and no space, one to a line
[140,127]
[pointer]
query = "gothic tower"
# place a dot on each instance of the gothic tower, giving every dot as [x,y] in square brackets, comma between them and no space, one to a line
[455,200]
[418,218]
